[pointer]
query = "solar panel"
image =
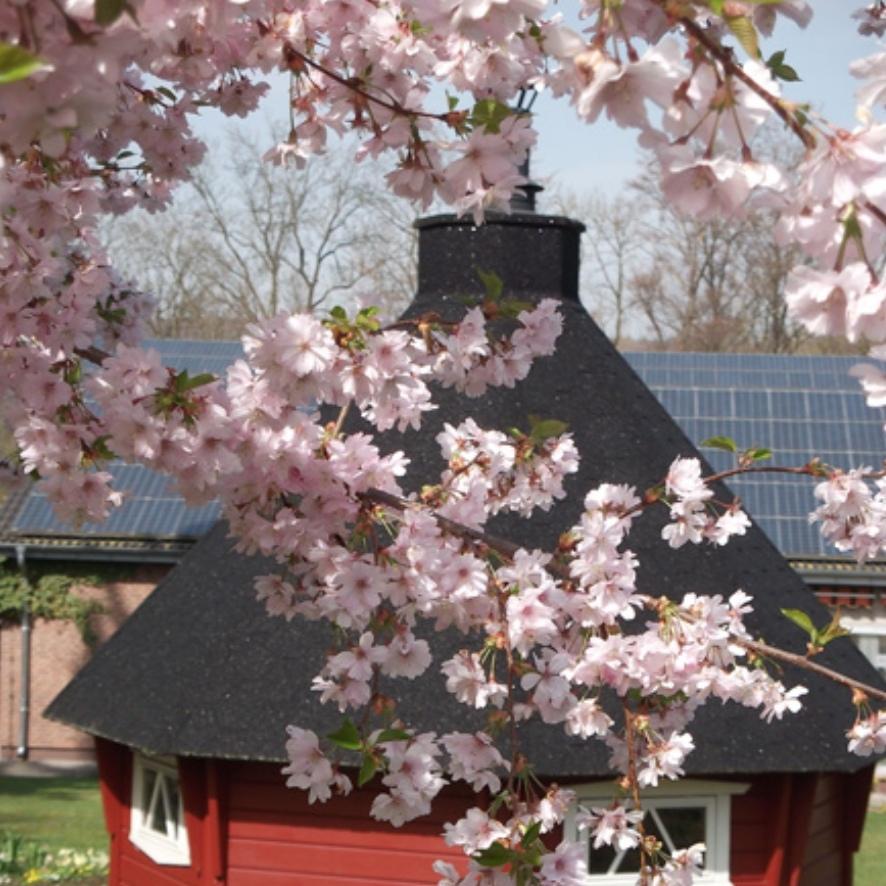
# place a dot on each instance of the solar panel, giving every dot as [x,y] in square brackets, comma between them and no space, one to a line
[798,406]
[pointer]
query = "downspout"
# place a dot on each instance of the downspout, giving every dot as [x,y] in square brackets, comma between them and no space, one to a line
[25,696]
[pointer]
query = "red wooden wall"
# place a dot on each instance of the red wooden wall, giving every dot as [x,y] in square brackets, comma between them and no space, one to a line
[275,837]
[247,829]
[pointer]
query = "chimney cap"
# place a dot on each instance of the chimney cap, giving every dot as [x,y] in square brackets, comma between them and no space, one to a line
[448,219]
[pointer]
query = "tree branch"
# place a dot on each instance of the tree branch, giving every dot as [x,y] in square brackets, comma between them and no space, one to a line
[801,661]
[724,56]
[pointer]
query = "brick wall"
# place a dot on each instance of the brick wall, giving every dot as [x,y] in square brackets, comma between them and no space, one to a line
[57,653]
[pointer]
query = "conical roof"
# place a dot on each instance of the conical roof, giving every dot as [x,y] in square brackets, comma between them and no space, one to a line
[199,669]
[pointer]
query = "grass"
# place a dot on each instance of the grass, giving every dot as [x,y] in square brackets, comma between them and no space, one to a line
[870,863]
[58,812]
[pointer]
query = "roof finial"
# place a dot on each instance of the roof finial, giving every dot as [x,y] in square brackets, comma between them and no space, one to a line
[523,198]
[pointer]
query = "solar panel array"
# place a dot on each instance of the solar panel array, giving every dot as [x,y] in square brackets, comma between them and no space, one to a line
[152,508]
[796,406]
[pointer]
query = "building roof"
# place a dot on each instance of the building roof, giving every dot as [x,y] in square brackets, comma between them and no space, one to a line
[200,670]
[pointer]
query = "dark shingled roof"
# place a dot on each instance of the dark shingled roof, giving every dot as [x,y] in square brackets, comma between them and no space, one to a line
[200,670]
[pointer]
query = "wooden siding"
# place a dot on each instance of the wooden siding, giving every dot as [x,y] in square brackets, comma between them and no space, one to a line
[836,819]
[275,837]
[757,832]
[247,829]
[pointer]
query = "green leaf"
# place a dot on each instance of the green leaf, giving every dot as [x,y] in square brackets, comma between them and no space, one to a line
[17,63]
[204,378]
[497,803]
[531,834]
[101,449]
[716,6]
[759,454]
[489,114]
[392,735]
[720,442]
[347,736]
[833,631]
[492,284]
[108,11]
[367,770]
[338,313]
[513,307]
[745,32]
[494,856]
[542,429]
[74,374]
[167,93]
[779,69]
[452,101]
[801,620]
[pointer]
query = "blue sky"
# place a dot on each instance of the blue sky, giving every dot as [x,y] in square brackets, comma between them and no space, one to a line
[603,157]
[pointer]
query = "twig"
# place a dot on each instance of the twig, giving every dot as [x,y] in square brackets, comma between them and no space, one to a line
[92,354]
[501,546]
[801,661]
[875,211]
[724,56]
[351,84]
[342,415]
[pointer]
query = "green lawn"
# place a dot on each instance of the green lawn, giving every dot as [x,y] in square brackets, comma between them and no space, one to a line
[870,863]
[59,812]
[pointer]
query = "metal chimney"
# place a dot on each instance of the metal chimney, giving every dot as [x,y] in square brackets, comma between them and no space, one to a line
[536,256]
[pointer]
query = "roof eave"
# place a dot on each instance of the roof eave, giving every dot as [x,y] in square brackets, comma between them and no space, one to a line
[107,550]
[824,570]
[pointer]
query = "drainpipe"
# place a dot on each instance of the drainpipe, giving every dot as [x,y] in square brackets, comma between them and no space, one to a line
[25,699]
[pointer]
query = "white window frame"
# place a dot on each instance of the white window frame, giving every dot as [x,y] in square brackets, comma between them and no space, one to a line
[715,797]
[163,848]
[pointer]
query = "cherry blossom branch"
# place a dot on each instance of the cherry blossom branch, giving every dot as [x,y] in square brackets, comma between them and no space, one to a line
[504,548]
[801,661]
[351,84]
[725,57]
[508,549]
[501,546]
[92,354]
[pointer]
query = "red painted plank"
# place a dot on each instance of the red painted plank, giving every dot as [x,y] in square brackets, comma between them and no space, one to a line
[246,797]
[214,830]
[393,855]
[311,832]
[275,878]
[135,871]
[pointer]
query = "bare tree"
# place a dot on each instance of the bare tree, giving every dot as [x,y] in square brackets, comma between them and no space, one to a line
[652,273]
[610,247]
[246,240]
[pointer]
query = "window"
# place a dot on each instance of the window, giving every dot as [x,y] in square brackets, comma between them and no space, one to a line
[157,820]
[679,814]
